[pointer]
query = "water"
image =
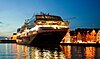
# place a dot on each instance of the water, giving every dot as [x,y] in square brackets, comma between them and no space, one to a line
[14,51]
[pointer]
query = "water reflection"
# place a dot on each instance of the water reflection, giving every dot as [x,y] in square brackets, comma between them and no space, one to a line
[22,52]
[67,51]
[97,52]
[45,53]
[6,51]
[14,51]
[90,52]
[25,52]
[81,52]
[77,52]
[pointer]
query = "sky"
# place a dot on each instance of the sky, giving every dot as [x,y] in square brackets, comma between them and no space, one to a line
[14,12]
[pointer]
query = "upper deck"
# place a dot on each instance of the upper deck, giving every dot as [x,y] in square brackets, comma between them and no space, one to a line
[48,18]
[44,20]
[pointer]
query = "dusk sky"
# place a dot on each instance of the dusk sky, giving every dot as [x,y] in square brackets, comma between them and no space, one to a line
[14,12]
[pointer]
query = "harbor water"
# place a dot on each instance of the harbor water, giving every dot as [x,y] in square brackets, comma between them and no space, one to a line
[15,51]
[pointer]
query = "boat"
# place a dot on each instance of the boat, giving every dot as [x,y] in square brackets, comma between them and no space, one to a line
[42,28]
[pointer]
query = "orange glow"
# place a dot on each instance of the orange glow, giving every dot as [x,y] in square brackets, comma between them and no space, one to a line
[98,36]
[67,51]
[79,41]
[90,52]
[25,30]
[93,31]
[14,37]
[62,23]
[22,50]
[39,22]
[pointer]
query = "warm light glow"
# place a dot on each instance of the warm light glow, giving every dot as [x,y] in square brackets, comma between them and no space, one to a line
[18,40]
[63,26]
[22,52]
[79,41]
[39,22]
[14,37]
[53,26]
[35,28]
[26,30]
[93,31]
[98,36]
[90,52]
[56,27]
[68,42]
[67,51]
[62,23]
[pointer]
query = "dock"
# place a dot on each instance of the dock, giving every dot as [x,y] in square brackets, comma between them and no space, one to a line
[81,44]
[7,41]
[71,44]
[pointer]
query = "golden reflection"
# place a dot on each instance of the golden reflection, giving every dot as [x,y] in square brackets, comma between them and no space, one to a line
[26,52]
[14,48]
[67,51]
[22,52]
[90,52]
[38,53]
[33,53]
[62,52]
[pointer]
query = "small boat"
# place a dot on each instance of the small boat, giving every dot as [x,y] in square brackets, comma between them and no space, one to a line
[42,28]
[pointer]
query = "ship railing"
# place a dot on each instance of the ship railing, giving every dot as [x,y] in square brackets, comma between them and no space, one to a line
[55,30]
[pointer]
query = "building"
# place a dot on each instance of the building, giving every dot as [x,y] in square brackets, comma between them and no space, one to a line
[98,36]
[14,36]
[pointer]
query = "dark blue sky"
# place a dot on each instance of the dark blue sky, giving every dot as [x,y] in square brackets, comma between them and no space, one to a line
[14,12]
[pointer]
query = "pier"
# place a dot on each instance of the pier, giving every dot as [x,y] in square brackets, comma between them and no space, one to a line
[7,41]
[81,44]
[71,44]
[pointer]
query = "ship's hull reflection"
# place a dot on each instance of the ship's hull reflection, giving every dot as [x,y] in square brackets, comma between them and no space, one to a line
[41,52]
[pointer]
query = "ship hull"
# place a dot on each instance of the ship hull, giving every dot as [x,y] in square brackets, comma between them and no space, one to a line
[44,37]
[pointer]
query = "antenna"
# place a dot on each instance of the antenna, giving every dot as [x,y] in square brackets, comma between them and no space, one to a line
[70,18]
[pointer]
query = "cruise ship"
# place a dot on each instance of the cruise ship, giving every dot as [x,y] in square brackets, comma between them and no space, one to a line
[42,28]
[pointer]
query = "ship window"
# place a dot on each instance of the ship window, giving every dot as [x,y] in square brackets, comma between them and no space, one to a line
[46,28]
[39,16]
[45,17]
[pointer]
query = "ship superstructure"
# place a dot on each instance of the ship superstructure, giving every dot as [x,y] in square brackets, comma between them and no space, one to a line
[42,28]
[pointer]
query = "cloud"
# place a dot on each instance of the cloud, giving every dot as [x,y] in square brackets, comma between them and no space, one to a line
[1,22]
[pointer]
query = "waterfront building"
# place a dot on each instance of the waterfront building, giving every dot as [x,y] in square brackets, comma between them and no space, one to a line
[67,38]
[14,36]
[90,34]
[93,36]
[87,37]
[98,36]
[79,37]
[83,37]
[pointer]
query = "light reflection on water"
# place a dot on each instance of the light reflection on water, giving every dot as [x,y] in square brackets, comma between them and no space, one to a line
[14,51]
